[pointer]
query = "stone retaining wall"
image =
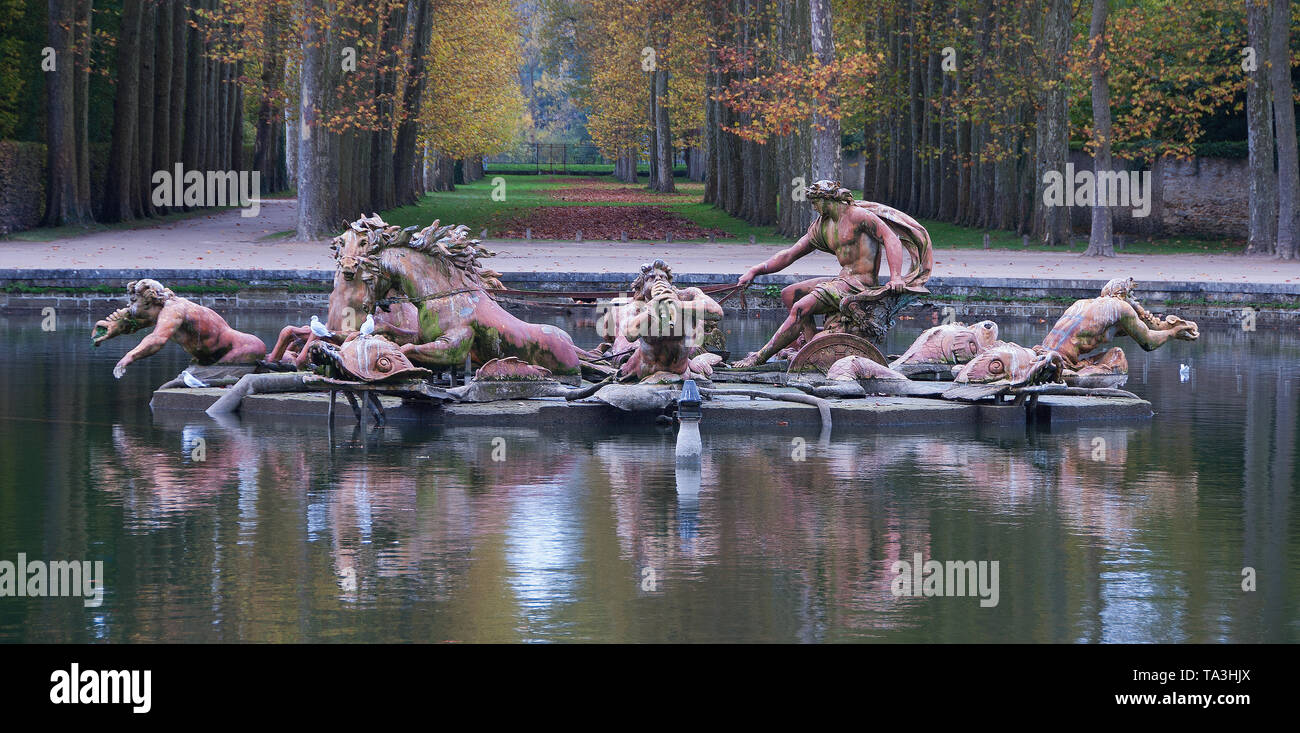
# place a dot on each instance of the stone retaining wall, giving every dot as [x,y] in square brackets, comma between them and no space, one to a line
[970,298]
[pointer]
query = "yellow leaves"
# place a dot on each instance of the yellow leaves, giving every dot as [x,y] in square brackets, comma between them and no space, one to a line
[472,103]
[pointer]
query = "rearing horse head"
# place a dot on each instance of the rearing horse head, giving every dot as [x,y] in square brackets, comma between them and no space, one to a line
[354,249]
[455,256]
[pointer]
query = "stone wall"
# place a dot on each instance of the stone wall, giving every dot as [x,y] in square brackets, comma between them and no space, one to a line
[22,185]
[1201,197]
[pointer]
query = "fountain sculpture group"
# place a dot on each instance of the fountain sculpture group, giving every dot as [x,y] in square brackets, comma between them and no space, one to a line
[409,307]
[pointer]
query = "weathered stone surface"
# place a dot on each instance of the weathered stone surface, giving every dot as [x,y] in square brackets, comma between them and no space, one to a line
[759,414]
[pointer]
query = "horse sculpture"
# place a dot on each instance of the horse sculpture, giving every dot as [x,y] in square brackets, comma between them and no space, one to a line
[437,270]
[350,302]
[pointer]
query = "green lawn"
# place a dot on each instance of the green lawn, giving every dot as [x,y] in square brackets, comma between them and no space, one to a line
[472,205]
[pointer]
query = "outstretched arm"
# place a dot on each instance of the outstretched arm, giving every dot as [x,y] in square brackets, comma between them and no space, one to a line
[117,323]
[1150,339]
[877,228]
[168,321]
[697,300]
[780,260]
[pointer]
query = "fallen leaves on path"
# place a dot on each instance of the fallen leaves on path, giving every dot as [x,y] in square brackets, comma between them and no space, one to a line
[604,223]
[619,195]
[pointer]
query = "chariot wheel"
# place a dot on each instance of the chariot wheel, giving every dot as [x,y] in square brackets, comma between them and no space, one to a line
[827,348]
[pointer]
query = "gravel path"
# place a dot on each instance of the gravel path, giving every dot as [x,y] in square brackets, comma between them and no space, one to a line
[227,240]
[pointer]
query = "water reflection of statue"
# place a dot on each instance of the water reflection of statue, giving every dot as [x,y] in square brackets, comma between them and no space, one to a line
[196,328]
[1087,324]
[857,233]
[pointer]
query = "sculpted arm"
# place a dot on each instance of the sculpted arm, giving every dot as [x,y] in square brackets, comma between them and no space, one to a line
[1149,339]
[877,228]
[780,260]
[168,321]
[705,307]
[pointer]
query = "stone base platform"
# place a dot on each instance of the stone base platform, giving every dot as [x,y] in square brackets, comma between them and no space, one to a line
[728,411]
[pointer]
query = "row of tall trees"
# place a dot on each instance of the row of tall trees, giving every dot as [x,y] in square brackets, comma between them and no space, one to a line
[1271,130]
[174,102]
[640,82]
[360,105]
[959,107]
[385,99]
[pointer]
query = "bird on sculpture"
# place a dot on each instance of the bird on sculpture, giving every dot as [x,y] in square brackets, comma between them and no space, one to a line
[319,328]
[192,381]
[368,327]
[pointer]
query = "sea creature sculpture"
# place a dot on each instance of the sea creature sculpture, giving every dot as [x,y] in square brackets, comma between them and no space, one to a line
[1010,364]
[196,328]
[952,343]
[365,359]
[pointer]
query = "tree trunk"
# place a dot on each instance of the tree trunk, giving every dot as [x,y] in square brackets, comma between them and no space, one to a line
[1052,223]
[420,17]
[663,180]
[176,108]
[292,126]
[144,129]
[318,183]
[63,202]
[1288,168]
[120,195]
[1101,242]
[162,88]
[237,162]
[81,106]
[825,128]
[1263,221]
[195,95]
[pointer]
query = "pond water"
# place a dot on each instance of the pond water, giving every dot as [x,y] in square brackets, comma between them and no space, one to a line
[1102,532]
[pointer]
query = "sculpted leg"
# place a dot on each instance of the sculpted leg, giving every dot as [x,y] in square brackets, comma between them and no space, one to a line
[288,335]
[245,348]
[449,349]
[794,293]
[800,318]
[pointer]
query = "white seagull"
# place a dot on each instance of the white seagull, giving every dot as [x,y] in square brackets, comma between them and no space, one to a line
[368,327]
[192,381]
[1184,371]
[319,329]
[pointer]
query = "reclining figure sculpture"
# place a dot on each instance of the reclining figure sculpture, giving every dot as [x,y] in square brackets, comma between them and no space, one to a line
[1089,323]
[196,328]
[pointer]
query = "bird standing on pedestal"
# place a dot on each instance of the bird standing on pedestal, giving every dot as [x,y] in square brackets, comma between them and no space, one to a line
[192,381]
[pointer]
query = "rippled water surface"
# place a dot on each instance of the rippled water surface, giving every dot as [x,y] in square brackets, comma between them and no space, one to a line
[1103,532]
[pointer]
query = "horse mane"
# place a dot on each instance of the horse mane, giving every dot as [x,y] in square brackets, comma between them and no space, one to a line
[449,245]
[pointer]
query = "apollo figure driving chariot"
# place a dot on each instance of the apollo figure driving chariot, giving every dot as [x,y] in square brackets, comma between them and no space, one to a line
[857,307]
